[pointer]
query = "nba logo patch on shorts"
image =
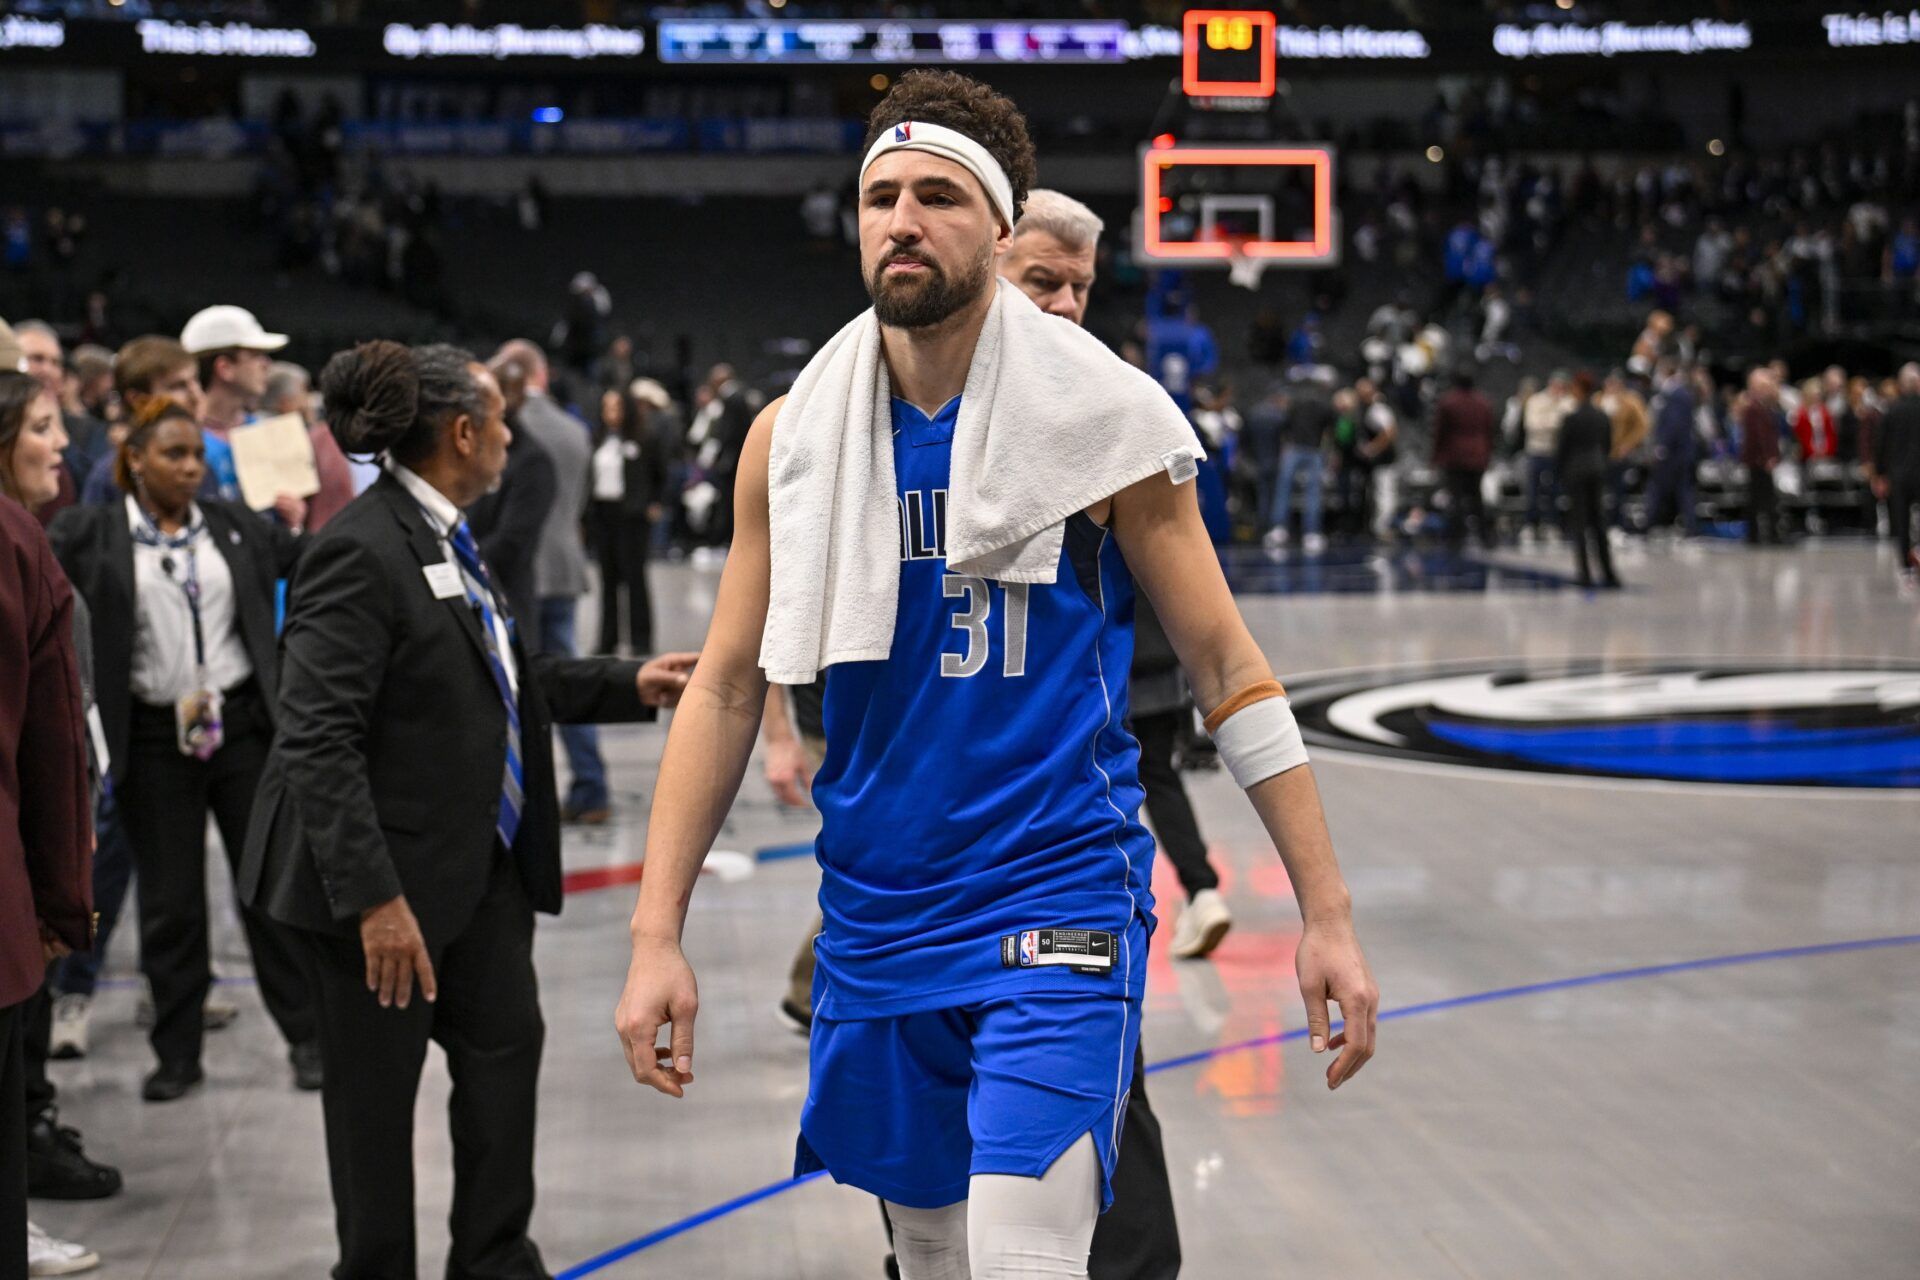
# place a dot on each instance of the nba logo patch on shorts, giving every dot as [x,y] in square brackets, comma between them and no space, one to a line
[1082,950]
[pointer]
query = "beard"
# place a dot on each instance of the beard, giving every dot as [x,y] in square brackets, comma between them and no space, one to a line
[925,298]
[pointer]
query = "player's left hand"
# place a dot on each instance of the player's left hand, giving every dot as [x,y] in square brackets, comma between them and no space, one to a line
[1331,967]
[663,679]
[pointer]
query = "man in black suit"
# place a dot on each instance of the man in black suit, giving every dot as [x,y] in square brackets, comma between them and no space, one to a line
[508,518]
[408,825]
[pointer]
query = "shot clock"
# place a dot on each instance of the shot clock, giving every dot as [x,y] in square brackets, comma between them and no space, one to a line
[1228,53]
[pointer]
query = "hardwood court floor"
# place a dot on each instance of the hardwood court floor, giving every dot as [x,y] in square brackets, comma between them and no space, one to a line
[1751,1119]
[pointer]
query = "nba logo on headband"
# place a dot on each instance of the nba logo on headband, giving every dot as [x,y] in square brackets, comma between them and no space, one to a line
[949,144]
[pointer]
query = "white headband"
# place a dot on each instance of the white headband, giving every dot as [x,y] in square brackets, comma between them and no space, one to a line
[949,144]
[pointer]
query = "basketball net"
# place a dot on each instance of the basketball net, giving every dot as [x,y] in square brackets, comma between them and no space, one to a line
[1243,269]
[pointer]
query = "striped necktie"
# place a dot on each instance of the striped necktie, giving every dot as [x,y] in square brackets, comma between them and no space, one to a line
[480,594]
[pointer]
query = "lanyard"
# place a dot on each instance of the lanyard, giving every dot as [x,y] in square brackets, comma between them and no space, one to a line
[150,534]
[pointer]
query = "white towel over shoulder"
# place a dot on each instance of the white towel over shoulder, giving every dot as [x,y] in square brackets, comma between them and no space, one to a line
[1050,423]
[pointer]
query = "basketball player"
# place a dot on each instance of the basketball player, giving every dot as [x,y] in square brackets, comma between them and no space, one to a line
[984,876]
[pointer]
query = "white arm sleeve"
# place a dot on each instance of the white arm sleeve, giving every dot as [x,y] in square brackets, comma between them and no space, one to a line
[1259,741]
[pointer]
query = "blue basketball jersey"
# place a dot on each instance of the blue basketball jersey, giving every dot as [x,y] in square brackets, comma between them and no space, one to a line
[980,796]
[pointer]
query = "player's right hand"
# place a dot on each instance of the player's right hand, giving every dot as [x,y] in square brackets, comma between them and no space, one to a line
[660,992]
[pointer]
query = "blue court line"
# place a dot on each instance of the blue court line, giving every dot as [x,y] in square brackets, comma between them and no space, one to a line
[701,1219]
[779,852]
[685,1225]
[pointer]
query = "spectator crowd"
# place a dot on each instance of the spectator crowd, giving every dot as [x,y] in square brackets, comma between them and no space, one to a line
[140,465]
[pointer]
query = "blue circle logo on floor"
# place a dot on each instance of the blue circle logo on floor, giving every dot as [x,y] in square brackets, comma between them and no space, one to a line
[1824,724]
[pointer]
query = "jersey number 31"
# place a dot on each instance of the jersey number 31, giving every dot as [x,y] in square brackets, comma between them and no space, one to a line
[973,621]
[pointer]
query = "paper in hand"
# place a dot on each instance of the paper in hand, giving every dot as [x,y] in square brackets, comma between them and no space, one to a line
[272,457]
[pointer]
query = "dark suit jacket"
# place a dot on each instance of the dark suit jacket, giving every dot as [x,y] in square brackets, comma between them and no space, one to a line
[46,837]
[87,443]
[385,774]
[96,548]
[1896,447]
[507,524]
[1586,437]
[644,473]
[1759,436]
[736,421]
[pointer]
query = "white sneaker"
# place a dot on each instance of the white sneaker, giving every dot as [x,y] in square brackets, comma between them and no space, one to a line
[49,1257]
[1276,538]
[1314,543]
[1201,926]
[69,1026]
[218,1011]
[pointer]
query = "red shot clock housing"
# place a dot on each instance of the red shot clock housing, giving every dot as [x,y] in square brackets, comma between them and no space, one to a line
[1227,53]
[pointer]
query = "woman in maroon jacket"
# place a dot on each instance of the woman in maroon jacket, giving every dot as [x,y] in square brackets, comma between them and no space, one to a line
[46,888]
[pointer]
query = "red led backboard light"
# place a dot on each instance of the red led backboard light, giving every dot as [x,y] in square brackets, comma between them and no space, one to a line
[1158,162]
[1242,36]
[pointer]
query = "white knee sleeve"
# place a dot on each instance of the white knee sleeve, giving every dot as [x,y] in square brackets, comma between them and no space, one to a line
[1035,1229]
[930,1244]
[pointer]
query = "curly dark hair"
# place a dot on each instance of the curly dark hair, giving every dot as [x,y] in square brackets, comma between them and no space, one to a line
[958,102]
[385,397]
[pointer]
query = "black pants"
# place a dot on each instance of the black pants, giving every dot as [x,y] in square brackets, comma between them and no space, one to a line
[36,1045]
[1902,493]
[1138,1238]
[164,803]
[1670,495]
[1465,502]
[1587,526]
[720,524]
[1356,495]
[487,1020]
[1167,805]
[1763,507]
[621,543]
[13,1147]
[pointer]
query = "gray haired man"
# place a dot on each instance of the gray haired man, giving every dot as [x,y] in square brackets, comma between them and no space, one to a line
[560,564]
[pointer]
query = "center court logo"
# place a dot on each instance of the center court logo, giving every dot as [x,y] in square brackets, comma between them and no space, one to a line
[1835,724]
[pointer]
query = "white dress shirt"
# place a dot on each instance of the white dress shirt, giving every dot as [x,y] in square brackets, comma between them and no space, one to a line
[441,516]
[163,653]
[610,468]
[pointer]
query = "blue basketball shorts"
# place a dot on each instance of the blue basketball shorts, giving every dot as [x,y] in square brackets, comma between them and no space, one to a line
[910,1107]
